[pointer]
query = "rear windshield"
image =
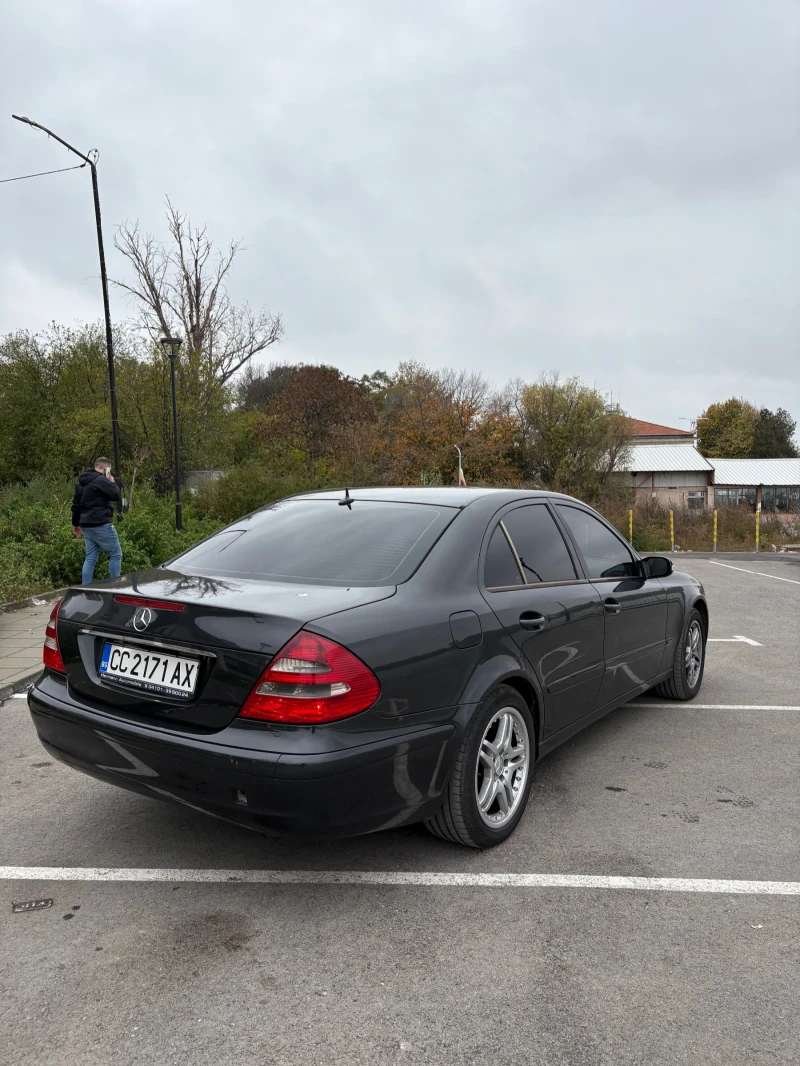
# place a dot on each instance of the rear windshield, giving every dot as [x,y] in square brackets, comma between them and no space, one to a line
[322,542]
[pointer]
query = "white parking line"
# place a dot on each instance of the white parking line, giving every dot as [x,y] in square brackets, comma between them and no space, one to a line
[734,640]
[410,878]
[689,706]
[758,573]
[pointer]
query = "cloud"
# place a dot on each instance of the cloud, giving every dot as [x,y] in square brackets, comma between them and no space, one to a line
[508,185]
[33,300]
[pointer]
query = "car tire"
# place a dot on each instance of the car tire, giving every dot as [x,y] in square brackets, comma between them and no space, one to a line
[489,786]
[687,673]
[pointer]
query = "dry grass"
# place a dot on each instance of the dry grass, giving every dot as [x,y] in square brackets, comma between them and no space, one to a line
[694,530]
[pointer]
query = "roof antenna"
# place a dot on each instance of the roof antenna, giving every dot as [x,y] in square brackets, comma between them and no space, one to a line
[346,502]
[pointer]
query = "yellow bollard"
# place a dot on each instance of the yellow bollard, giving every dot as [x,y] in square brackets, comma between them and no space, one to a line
[715,531]
[758,523]
[630,527]
[672,530]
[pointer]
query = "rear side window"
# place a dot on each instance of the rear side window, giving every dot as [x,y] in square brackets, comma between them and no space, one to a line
[603,551]
[539,545]
[500,569]
[321,542]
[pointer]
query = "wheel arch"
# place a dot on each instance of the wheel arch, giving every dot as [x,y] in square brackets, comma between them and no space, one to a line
[506,667]
[526,690]
[700,605]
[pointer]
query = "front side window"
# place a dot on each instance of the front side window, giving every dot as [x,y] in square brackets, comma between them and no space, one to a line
[539,545]
[603,551]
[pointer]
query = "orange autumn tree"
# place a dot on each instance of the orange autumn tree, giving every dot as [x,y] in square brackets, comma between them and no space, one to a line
[425,413]
[326,419]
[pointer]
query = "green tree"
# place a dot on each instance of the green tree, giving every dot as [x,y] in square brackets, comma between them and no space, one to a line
[773,436]
[54,401]
[55,412]
[726,430]
[573,438]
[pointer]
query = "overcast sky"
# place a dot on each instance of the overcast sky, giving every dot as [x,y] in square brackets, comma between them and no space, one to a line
[610,188]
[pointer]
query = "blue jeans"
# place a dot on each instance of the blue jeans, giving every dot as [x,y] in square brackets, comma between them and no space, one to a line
[97,539]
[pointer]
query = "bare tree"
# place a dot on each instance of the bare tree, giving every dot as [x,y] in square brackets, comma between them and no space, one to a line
[180,287]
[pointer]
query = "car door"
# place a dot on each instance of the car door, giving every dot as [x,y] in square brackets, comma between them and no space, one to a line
[552,613]
[635,608]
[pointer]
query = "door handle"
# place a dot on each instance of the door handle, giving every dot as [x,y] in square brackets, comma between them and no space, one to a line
[532,620]
[612,606]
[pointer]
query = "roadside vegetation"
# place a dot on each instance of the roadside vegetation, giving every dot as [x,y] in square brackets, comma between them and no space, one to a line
[694,530]
[38,550]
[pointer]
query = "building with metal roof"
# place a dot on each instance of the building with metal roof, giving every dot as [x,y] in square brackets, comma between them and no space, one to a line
[763,484]
[677,475]
[756,471]
[663,458]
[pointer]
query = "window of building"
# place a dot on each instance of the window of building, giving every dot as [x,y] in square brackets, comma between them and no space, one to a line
[728,496]
[696,501]
[780,498]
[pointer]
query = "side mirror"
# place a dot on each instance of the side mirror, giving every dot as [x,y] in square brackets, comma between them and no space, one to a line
[657,566]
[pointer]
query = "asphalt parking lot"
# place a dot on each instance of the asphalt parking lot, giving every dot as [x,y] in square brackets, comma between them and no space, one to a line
[172,968]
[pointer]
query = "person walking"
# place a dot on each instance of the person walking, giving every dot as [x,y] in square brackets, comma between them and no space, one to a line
[92,509]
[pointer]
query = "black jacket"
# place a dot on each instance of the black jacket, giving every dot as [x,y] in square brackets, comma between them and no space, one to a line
[93,502]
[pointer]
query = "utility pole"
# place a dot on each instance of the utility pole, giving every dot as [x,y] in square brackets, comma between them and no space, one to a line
[91,159]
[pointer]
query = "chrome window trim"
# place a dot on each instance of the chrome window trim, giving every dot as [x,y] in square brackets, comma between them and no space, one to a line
[501,525]
[548,584]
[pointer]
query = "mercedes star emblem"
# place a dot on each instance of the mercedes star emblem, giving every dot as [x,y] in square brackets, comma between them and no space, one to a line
[142,619]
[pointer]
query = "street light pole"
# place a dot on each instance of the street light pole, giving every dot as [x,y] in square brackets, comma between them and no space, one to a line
[112,380]
[171,346]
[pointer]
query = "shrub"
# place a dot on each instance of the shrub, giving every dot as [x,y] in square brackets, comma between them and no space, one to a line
[254,484]
[39,552]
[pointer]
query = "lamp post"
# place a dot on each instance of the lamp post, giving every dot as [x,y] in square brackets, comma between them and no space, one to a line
[171,347]
[112,381]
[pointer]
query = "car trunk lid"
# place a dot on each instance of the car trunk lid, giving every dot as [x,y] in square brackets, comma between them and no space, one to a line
[231,629]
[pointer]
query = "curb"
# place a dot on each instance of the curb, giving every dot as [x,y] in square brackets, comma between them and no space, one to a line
[33,601]
[18,686]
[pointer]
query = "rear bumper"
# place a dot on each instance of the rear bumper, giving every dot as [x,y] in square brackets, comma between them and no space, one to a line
[343,793]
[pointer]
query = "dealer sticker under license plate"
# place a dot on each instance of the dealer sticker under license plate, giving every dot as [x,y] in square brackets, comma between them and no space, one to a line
[150,670]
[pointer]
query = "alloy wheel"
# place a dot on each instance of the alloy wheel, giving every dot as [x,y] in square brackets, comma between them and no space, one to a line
[502,769]
[694,653]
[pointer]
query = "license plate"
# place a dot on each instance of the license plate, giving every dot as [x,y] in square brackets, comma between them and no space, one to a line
[150,670]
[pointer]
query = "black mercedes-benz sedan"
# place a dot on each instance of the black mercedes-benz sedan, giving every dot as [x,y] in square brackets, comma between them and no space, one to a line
[342,662]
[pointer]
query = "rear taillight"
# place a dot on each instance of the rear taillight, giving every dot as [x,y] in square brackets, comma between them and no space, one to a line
[312,680]
[51,654]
